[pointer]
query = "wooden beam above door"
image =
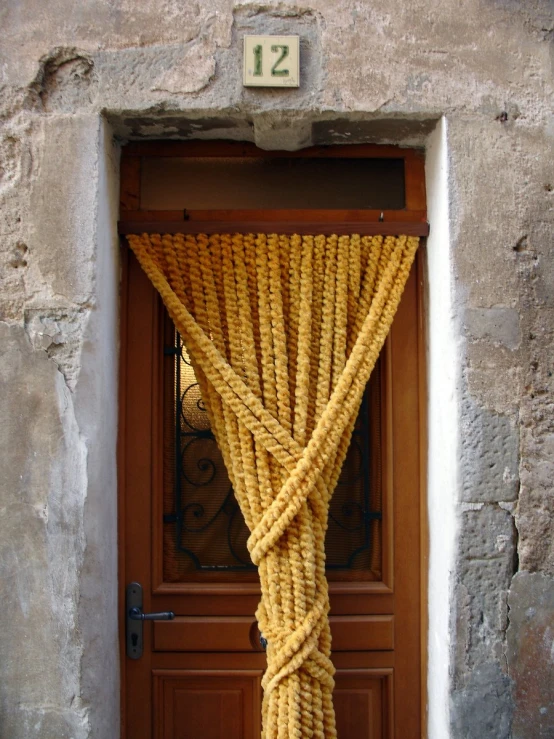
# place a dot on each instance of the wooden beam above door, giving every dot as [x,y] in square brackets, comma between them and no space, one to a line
[363,228]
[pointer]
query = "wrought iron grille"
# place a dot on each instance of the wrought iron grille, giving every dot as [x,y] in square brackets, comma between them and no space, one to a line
[203,524]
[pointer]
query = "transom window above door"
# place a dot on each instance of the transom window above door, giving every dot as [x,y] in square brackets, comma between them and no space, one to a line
[210,187]
[285,182]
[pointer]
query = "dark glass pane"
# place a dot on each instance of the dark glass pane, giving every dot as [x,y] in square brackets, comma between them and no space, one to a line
[200,183]
[206,528]
[353,535]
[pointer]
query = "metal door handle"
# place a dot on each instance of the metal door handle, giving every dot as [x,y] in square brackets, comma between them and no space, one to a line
[134,618]
[135,614]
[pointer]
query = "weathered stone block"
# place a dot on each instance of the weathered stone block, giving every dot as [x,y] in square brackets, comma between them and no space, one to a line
[483,708]
[490,456]
[499,324]
[531,654]
[64,206]
[488,533]
[487,561]
[337,131]
[42,470]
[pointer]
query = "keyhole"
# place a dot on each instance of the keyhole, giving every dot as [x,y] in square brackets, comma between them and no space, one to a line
[134,639]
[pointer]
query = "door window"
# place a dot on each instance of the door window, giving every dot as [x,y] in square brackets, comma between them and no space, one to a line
[204,530]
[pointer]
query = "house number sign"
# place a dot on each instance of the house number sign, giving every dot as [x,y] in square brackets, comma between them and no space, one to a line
[271,61]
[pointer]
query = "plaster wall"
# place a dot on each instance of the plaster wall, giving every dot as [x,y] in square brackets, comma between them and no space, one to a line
[443,424]
[79,79]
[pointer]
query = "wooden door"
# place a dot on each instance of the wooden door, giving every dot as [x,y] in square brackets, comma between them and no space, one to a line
[200,674]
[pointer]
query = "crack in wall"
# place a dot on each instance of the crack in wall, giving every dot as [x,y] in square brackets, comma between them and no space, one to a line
[60,334]
[64,76]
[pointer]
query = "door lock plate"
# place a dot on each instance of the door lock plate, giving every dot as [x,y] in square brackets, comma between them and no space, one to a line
[134,618]
[133,628]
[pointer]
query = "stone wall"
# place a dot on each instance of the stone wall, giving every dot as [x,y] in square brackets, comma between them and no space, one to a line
[80,78]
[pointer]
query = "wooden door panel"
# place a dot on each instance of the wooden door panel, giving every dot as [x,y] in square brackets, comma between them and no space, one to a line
[363,704]
[207,634]
[241,634]
[362,633]
[207,704]
[257,661]
[224,704]
[223,601]
[213,661]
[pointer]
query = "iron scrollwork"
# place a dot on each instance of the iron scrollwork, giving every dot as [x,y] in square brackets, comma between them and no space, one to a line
[205,511]
[350,513]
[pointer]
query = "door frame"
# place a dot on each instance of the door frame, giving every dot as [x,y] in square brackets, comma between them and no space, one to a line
[131,218]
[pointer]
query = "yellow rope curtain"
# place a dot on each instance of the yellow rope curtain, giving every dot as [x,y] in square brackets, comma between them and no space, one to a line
[283,332]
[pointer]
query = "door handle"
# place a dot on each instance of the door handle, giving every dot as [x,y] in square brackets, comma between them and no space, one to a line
[134,618]
[135,614]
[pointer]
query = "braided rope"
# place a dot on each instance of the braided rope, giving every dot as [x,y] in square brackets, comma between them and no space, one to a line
[283,333]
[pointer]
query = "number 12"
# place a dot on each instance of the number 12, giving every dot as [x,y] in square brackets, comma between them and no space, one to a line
[258,60]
